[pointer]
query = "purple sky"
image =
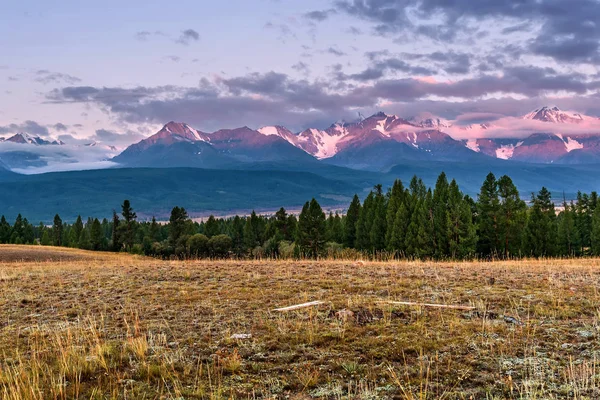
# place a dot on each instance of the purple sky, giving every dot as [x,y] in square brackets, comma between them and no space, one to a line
[116,71]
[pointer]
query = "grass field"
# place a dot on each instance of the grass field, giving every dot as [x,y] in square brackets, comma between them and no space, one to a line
[85,325]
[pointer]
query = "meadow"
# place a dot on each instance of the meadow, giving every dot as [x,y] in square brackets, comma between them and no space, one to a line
[92,325]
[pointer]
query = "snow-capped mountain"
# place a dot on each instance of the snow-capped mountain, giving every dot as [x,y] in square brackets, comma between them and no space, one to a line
[177,144]
[548,146]
[555,115]
[25,138]
[377,142]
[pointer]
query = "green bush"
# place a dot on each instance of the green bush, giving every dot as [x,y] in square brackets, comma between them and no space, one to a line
[220,245]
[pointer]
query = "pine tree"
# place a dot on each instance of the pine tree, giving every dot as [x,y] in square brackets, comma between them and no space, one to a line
[28,232]
[488,207]
[154,231]
[415,240]
[351,221]
[116,237]
[4,230]
[312,229]
[127,232]
[396,199]
[511,217]
[178,226]
[211,227]
[377,232]
[281,224]
[566,230]
[46,241]
[399,228]
[57,231]
[595,234]
[440,217]
[251,232]
[461,230]
[541,233]
[236,233]
[16,235]
[75,233]
[364,224]
[96,235]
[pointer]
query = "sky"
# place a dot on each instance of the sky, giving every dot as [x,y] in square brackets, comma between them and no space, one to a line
[115,72]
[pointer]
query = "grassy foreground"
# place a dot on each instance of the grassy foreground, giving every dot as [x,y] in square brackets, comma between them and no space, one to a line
[75,324]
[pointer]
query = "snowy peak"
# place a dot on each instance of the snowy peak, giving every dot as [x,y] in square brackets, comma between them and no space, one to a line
[429,121]
[183,130]
[25,138]
[554,115]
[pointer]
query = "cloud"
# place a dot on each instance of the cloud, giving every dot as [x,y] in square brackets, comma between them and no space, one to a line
[60,158]
[564,31]
[320,15]
[283,30]
[335,52]
[30,127]
[259,99]
[60,127]
[145,35]
[301,67]
[188,36]
[113,138]
[45,77]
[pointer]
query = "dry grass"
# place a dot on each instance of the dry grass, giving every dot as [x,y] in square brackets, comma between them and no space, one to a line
[96,326]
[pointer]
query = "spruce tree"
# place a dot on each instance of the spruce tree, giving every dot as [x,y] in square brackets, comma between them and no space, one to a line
[377,232]
[541,233]
[488,207]
[46,241]
[211,227]
[511,218]
[115,236]
[96,236]
[351,222]
[16,234]
[440,217]
[4,230]
[28,232]
[461,230]
[128,227]
[399,229]
[57,231]
[154,231]
[396,199]
[251,232]
[595,234]
[75,233]
[364,224]
[566,230]
[178,226]
[312,229]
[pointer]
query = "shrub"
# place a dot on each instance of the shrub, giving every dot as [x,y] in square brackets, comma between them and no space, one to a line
[197,245]
[220,245]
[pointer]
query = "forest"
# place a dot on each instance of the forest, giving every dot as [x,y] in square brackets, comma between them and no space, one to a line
[412,222]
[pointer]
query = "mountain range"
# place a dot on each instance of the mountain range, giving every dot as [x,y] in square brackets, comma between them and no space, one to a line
[375,143]
[241,169]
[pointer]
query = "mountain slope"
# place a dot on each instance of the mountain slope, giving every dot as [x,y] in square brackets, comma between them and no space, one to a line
[157,191]
[178,145]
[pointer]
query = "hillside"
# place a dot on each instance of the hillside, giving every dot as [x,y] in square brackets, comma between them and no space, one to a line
[157,191]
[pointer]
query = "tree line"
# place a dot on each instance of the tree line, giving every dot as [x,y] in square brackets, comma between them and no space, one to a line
[403,222]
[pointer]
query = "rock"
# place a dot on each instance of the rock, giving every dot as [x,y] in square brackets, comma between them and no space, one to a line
[241,336]
[344,314]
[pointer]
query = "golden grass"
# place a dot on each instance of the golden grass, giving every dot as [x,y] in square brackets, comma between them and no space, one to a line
[96,326]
